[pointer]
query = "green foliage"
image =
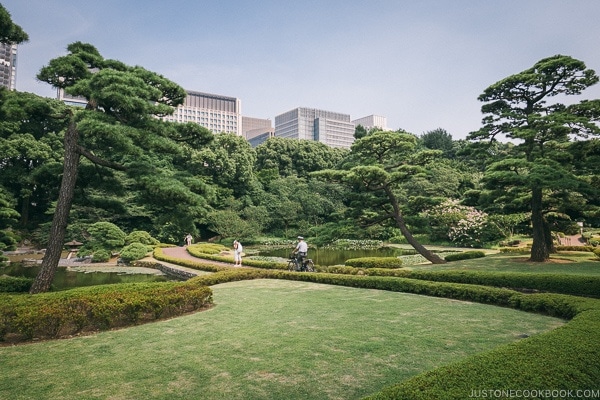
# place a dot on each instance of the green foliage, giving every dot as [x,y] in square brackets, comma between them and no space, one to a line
[541,171]
[103,236]
[61,314]
[101,256]
[351,244]
[465,255]
[134,251]
[207,248]
[14,284]
[140,237]
[374,262]
[9,31]
[597,252]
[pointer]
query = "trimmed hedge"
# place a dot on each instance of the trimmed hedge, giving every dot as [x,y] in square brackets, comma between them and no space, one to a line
[61,314]
[578,285]
[374,262]
[14,284]
[465,255]
[199,251]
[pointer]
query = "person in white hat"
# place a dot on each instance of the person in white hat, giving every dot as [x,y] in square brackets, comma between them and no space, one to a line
[300,251]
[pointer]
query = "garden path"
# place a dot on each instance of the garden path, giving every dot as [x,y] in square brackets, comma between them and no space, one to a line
[573,240]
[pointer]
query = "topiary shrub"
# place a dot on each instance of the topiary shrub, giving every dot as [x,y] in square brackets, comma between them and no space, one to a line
[101,256]
[140,237]
[374,262]
[597,252]
[465,255]
[134,251]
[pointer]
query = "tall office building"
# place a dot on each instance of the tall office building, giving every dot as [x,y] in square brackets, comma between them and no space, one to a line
[372,121]
[331,128]
[257,130]
[220,114]
[8,66]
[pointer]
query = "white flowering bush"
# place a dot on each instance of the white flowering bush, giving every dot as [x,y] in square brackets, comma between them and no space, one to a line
[464,225]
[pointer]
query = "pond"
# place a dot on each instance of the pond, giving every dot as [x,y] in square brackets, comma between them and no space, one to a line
[65,279]
[327,257]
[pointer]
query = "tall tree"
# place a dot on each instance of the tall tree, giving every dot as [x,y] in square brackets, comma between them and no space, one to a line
[9,31]
[518,107]
[380,163]
[118,129]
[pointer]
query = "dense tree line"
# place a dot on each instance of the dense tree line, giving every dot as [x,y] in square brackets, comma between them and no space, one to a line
[65,168]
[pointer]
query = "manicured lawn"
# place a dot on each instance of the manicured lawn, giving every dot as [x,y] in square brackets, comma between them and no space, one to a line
[267,339]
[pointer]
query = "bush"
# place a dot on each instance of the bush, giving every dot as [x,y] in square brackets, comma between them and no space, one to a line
[134,251]
[374,262]
[15,284]
[465,255]
[597,252]
[101,256]
[140,237]
[60,314]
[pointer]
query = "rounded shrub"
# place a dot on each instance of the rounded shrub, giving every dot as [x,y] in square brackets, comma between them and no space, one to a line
[140,237]
[101,256]
[374,262]
[597,252]
[134,251]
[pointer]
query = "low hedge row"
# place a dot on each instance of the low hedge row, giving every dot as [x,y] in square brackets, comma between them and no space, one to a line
[578,285]
[465,255]
[374,262]
[61,314]
[575,248]
[199,252]
[14,284]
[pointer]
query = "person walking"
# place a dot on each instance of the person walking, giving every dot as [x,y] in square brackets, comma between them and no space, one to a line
[237,253]
[188,239]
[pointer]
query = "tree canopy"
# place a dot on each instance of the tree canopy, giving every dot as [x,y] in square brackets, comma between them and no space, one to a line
[541,162]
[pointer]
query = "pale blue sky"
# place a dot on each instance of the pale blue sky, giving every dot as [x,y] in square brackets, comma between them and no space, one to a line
[421,64]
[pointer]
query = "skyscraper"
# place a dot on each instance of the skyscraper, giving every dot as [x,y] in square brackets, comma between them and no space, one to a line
[331,128]
[8,66]
[220,114]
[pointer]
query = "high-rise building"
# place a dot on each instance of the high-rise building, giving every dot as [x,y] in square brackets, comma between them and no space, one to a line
[372,121]
[8,66]
[331,128]
[257,130]
[220,114]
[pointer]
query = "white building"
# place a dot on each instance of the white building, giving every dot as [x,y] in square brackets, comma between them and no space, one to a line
[372,121]
[220,114]
[331,128]
[8,66]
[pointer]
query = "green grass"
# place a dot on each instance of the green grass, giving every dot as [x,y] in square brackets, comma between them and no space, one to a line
[268,339]
[579,263]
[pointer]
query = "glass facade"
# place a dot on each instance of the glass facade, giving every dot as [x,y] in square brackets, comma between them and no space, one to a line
[331,128]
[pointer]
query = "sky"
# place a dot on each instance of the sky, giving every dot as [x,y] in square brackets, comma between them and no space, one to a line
[421,64]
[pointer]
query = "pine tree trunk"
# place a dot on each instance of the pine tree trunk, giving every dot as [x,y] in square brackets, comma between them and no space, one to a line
[540,250]
[430,256]
[44,279]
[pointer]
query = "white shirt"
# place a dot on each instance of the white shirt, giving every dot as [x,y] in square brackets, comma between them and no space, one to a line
[302,247]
